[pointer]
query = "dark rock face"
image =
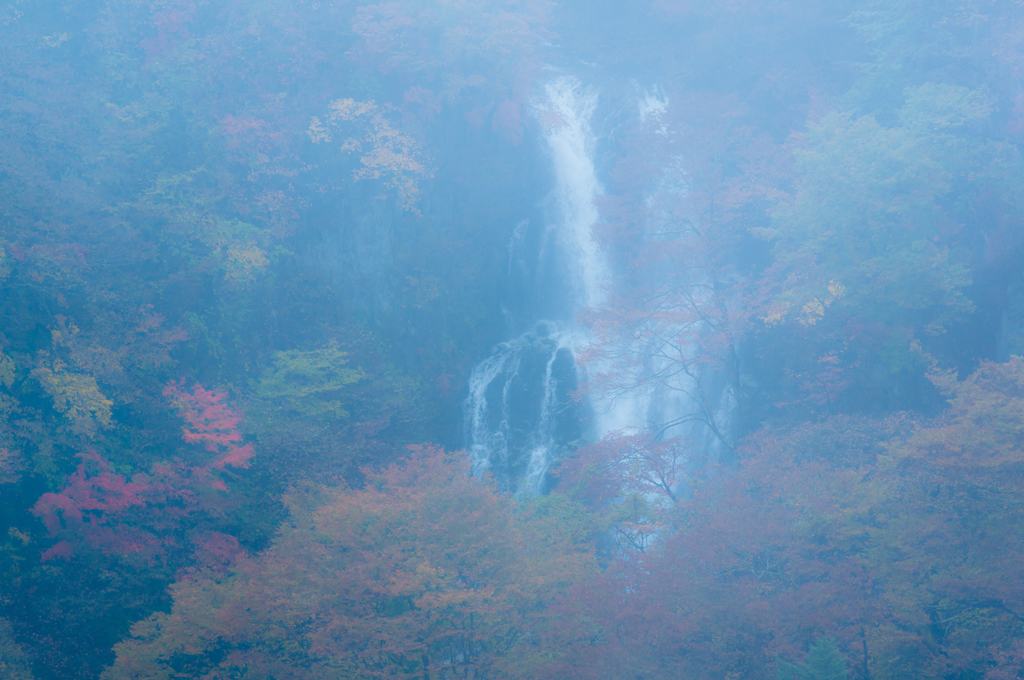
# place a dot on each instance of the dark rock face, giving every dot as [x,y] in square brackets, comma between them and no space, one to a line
[520,416]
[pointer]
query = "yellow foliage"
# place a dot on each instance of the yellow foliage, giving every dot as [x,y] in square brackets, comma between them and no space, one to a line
[63,335]
[350,109]
[55,40]
[244,260]
[310,382]
[75,395]
[813,311]
[317,132]
[776,312]
[7,368]
[188,202]
[236,242]
[385,152]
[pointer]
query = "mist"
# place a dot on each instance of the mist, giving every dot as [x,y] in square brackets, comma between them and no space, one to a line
[511,339]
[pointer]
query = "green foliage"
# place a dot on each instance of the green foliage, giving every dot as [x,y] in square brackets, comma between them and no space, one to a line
[824,662]
[194,228]
[7,368]
[332,410]
[869,227]
[157,183]
[871,250]
[309,383]
[14,663]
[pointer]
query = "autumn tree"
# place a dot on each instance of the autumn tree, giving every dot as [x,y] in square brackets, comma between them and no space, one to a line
[748,564]
[893,536]
[141,516]
[424,573]
[946,527]
[480,56]
[678,233]
[385,152]
[632,484]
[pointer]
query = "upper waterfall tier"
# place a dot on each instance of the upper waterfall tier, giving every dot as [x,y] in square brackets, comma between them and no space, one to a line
[565,113]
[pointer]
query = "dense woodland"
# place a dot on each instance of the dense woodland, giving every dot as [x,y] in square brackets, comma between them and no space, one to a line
[250,251]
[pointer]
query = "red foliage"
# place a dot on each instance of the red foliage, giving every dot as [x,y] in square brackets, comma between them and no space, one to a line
[214,552]
[102,510]
[94,509]
[759,561]
[480,52]
[894,537]
[1009,663]
[623,464]
[212,423]
[635,479]
[171,25]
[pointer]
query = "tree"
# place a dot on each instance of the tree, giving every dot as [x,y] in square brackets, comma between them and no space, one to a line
[141,517]
[945,516]
[824,662]
[14,663]
[868,252]
[330,411]
[1009,663]
[752,562]
[867,221]
[479,55]
[697,177]
[632,483]
[424,573]
[386,153]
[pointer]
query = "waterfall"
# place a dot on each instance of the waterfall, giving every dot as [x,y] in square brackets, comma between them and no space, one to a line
[565,114]
[520,415]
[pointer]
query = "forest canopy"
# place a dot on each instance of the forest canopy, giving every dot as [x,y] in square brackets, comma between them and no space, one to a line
[722,302]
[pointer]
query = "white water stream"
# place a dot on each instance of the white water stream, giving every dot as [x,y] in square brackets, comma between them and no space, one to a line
[512,424]
[565,114]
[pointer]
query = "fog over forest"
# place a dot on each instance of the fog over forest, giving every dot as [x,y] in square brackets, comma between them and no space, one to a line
[511,339]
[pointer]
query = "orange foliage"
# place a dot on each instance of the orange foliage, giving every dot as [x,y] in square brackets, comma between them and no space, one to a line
[424,573]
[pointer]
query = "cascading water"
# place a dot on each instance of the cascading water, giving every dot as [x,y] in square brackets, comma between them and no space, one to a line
[565,114]
[519,416]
